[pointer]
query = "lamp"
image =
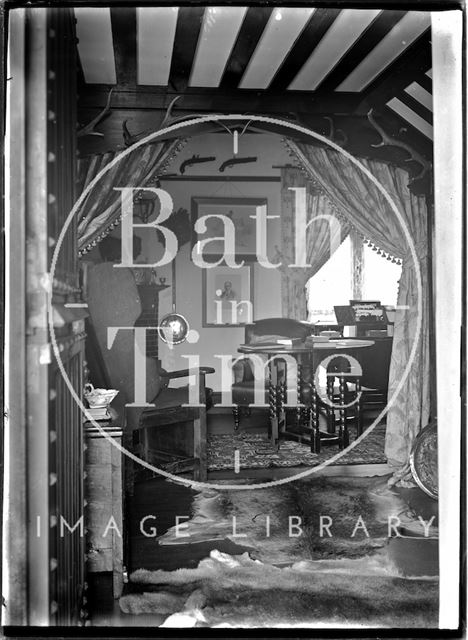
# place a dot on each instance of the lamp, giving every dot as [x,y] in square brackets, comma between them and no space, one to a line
[173,328]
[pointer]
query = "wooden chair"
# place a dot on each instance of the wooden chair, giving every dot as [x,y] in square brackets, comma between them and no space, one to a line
[167,435]
[243,388]
[172,436]
[372,384]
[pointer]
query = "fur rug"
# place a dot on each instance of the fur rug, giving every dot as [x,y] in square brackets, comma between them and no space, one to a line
[238,592]
[307,580]
[259,519]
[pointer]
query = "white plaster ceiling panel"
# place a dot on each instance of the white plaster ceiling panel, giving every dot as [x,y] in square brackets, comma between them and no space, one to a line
[284,27]
[156,28]
[95,45]
[340,37]
[218,35]
[404,33]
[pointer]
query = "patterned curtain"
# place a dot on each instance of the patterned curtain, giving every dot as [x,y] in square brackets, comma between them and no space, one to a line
[354,195]
[323,239]
[100,211]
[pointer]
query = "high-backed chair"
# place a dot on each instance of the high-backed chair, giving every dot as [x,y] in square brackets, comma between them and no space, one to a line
[266,329]
[166,433]
[277,328]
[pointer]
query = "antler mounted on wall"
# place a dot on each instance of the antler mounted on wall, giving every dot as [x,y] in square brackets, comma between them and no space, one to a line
[130,139]
[415,156]
[333,131]
[88,130]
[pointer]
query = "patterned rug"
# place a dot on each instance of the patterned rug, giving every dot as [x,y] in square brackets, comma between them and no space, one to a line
[256,452]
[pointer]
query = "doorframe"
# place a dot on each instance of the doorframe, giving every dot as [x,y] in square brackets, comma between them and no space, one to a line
[25,547]
[14,532]
[450,300]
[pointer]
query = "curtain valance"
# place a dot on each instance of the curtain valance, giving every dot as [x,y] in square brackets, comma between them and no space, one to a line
[100,212]
[354,195]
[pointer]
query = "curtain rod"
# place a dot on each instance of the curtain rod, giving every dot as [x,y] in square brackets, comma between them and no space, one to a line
[220,178]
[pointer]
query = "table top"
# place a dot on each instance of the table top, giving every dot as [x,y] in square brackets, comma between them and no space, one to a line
[342,344]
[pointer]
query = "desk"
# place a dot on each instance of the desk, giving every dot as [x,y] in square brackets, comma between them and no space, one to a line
[308,359]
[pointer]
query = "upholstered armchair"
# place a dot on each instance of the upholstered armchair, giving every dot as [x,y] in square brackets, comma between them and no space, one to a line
[166,433]
[265,330]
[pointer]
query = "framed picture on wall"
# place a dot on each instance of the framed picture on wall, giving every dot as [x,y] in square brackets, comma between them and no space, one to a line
[238,210]
[228,297]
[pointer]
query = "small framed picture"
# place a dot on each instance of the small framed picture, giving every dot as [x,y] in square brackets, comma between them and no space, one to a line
[239,211]
[227,296]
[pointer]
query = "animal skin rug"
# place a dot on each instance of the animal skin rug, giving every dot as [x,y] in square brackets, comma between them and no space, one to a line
[259,519]
[282,581]
[239,592]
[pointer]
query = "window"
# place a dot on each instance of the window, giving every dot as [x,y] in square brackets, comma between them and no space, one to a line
[331,285]
[336,282]
[381,278]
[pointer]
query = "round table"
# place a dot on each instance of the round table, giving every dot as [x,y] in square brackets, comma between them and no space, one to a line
[308,357]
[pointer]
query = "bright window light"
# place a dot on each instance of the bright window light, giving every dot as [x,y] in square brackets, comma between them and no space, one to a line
[381,278]
[333,284]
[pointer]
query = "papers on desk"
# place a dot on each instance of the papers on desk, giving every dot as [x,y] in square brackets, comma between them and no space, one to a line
[275,341]
[311,340]
[277,345]
[353,342]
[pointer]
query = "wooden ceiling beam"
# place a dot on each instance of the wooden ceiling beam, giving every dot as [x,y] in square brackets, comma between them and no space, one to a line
[425,82]
[189,22]
[218,101]
[250,33]
[410,66]
[415,106]
[430,5]
[314,31]
[354,133]
[361,48]
[123,20]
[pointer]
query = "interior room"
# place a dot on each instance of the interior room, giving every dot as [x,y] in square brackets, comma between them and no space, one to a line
[226,256]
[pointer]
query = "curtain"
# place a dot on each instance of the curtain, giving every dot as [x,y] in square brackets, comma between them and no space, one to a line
[322,239]
[355,196]
[100,211]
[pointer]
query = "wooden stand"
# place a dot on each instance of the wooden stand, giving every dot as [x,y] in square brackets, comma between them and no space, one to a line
[103,511]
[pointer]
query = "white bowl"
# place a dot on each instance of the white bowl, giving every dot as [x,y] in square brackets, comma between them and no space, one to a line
[99,397]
